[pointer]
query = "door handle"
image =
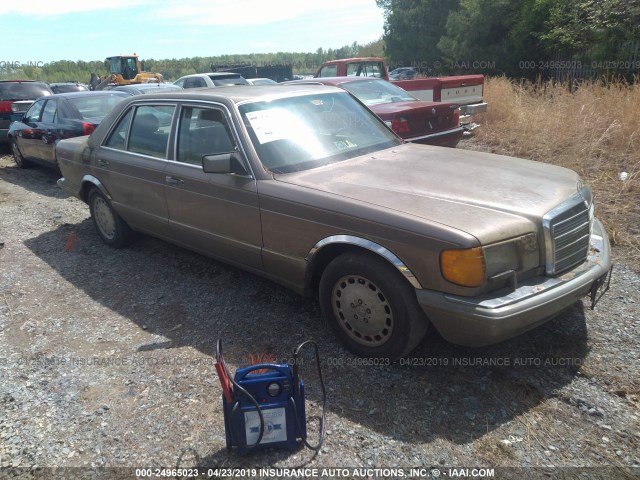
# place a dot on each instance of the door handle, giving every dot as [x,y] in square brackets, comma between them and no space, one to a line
[176,182]
[103,163]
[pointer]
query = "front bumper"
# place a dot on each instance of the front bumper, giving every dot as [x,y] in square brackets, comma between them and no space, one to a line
[473,108]
[478,321]
[446,138]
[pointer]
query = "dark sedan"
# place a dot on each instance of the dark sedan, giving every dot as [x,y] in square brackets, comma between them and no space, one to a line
[15,97]
[433,123]
[33,139]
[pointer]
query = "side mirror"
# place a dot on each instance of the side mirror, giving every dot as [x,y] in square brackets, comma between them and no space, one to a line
[223,163]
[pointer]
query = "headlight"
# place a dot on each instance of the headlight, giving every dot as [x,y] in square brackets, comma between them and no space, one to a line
[463,267]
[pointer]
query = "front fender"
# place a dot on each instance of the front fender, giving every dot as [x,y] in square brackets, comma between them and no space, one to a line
[364,244]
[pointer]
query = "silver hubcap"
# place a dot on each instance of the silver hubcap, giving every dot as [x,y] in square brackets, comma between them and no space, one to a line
[362,310]
[104,218]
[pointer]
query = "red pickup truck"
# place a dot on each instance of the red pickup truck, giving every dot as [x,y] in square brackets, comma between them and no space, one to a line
[465,90]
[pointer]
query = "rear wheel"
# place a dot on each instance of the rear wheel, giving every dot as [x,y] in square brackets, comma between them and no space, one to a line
[113,230]
[17,156]
[371,306]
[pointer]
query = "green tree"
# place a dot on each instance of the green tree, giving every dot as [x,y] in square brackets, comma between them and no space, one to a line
[505,33]
[413,29]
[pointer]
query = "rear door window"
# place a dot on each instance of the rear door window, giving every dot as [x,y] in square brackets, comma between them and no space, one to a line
[49,114]
[149,133]
[33,114]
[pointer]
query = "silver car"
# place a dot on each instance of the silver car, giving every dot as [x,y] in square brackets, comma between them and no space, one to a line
[307,187]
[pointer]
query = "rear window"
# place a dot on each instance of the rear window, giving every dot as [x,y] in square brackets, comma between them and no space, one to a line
[23,91]
[66,88]
[95,106]
[231,79]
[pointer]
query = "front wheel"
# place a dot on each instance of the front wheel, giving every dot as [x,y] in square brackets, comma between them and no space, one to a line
[371,306]
[17,156]
[113,230]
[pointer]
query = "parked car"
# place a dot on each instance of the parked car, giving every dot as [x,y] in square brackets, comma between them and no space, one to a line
[67,87]
[261,81]
[307,187]
[215,79]
[434,123]
[403,73]
[16,96]
[52,118]
[142,88]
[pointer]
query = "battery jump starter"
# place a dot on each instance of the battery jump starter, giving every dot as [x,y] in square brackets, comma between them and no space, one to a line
[264,404]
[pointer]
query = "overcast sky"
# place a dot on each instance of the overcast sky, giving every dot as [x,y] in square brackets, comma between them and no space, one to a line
[46,30]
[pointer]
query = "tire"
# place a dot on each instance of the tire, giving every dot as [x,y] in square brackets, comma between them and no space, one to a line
[371,307]
[17,156]
[111,228]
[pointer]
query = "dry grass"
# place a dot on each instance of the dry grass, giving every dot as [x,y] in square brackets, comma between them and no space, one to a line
[594,130]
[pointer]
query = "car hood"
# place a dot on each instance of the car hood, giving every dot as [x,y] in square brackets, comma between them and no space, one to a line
[490,197]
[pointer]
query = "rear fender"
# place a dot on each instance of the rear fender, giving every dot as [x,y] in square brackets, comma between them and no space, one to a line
[89,182]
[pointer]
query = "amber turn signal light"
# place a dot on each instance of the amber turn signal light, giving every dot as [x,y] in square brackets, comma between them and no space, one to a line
[463,267]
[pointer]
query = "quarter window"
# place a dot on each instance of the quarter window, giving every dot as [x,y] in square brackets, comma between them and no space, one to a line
[203,131]
[118,137]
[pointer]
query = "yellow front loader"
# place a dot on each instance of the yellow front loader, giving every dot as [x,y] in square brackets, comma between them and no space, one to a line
[123,70]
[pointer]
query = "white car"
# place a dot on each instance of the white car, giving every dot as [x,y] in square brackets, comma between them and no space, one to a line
[215,79]
[261,81]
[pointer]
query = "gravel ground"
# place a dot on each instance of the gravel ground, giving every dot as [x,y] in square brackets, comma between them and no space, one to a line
[106,359]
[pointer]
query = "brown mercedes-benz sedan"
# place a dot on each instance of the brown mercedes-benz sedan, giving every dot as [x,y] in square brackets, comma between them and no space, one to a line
[305,186]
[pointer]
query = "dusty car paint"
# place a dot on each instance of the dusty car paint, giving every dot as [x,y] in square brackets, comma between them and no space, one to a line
[404,205]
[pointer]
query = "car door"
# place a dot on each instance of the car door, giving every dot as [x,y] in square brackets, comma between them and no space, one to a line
[46,149]
[216,214]
[29,138]
[131,163]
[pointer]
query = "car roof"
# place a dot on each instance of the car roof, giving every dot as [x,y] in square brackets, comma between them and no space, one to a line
[211,74]
[239,93]
[334,80]
[142,86]
[87,94]
[23,81]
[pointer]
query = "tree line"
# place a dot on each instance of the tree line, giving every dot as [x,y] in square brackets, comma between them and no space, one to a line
[519,38]
[172,69]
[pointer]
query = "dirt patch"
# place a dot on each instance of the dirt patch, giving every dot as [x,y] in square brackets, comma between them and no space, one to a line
[106,359]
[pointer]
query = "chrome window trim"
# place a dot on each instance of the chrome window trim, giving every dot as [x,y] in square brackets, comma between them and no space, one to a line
[367,245]
[231,123]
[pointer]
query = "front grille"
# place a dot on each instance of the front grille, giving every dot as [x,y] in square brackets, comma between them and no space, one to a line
[567,235]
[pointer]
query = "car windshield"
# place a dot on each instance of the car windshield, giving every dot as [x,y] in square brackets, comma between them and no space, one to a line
[22,91]
[95,106]
[308,131]
[375,92]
